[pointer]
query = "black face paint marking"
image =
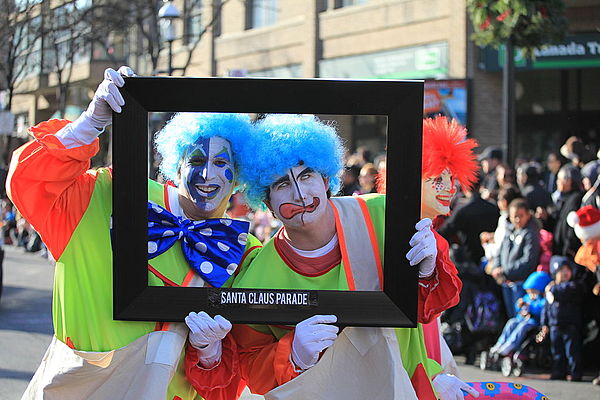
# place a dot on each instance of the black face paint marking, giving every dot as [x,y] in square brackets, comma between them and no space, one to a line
[301,199]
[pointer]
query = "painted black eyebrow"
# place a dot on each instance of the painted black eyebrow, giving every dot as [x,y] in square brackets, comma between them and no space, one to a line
[284,178]
[306,170]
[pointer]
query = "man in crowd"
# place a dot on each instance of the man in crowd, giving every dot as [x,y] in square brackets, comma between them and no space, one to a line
[528,178]
[490,158]
[93,356]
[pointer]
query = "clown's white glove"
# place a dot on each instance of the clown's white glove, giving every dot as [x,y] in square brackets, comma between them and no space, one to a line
[449,387]
[423,248]
[205,336]
[312,336]
[98,115]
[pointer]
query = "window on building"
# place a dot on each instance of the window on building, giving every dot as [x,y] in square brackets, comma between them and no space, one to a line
[27,49]
[67,36]
[24,5]
[260,13]
[192,15]
[348,3]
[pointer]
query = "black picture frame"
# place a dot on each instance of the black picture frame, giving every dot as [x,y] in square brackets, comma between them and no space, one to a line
[400,101]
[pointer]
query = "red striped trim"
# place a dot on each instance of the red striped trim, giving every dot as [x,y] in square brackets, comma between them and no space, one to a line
[343,249]
[373,237]
[166,197]
[69,343]
[237,270]
[160,276]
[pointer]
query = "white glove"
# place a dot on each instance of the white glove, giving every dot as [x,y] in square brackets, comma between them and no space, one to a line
[423,248]
[312,336]
[98,115]
[449,387]
[205,336]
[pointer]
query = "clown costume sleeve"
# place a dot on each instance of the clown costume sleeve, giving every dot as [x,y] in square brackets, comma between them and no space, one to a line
[70,207]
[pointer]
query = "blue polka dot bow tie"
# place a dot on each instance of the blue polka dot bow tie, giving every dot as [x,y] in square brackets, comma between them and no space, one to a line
[212,247]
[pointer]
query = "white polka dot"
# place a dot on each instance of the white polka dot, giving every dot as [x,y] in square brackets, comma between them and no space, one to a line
[206,231]
[222,246]
[168,233]
[152,247]
[180,234]
[167,223]
[206,267]
[231,268]
[199,222]
[151,224]
[157,208]
[201,247]
[226,222]
[243,238]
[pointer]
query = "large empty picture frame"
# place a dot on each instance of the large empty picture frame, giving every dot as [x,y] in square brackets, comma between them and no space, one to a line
[400,101]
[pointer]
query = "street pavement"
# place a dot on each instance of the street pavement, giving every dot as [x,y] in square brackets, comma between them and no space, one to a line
[26,331]
[25,319]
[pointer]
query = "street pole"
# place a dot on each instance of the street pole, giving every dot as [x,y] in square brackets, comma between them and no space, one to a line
[170,69]
[508,101]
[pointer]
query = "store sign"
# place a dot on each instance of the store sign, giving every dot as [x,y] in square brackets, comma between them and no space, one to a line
[417,62]
[446,97]
[575,52]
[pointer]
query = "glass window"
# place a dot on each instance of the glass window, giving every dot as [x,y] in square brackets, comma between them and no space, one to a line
[348,3]
[193,20]
[261,13]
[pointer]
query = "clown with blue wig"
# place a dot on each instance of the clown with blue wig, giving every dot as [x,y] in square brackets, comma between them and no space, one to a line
[191,243]
[327,243]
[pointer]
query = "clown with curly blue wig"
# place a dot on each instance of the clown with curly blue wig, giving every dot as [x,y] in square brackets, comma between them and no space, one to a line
[190,243]
[328,243]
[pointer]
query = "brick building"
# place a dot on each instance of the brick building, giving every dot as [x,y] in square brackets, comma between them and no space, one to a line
[392,39]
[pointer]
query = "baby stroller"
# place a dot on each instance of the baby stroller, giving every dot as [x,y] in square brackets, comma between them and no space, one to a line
[474,327]
[529,354]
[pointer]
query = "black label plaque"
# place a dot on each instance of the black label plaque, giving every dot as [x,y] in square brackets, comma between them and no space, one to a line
[262,298]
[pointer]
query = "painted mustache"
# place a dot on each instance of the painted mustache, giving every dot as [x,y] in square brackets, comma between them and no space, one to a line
[289,210]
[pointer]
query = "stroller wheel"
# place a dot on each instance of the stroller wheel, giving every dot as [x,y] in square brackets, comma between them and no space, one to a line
[483,360]
[506,366]
[517,367]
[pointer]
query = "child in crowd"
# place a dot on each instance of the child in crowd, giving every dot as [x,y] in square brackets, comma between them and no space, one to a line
[519,253]
[528,312]
[562,318]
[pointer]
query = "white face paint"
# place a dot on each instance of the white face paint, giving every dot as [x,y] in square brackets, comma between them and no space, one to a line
[436,194]
[207,175]
[299,197]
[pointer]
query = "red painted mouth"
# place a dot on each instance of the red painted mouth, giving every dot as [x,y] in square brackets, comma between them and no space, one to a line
[289,210]
[443,200]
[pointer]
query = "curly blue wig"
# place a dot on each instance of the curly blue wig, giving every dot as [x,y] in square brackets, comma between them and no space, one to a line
[183,129]
[286,140]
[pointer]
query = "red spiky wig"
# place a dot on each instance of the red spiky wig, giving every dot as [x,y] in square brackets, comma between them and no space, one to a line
[445,145]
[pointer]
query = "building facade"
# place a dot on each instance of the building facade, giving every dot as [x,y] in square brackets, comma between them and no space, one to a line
[357,39]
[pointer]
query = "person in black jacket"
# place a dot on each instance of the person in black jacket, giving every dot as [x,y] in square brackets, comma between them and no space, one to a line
[562,318]
[468,221]
[565,242]
[528,178]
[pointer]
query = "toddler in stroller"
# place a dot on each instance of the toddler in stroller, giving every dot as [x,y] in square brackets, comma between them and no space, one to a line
[527,319]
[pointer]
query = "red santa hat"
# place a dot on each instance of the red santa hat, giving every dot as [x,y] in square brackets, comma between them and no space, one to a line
[585,222]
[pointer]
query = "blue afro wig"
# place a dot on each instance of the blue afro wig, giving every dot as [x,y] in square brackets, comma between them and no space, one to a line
[286,140]
[183,129]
